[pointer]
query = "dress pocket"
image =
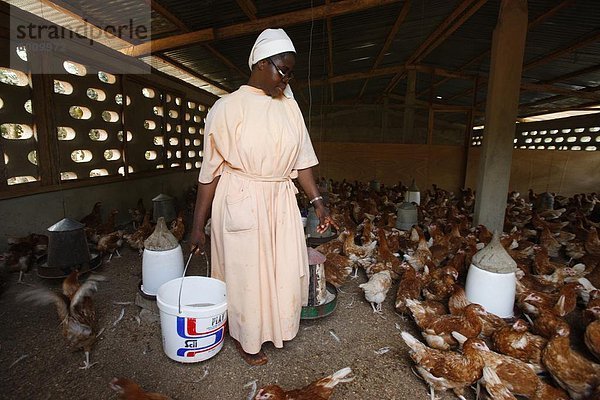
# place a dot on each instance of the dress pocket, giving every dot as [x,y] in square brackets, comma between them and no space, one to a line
[240,212]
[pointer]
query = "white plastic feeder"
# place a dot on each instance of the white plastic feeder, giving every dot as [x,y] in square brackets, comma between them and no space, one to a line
[491,280]
[162,260]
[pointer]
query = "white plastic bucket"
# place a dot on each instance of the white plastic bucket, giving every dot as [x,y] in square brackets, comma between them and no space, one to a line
[494,291]
[197,332]
[159,267]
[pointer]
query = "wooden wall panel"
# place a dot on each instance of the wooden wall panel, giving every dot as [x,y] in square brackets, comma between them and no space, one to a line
[390,163]
[564,172]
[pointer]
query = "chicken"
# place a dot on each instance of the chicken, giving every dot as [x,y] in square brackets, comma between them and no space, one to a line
[458,300]
[494,386]
[547,323]
[592,309]
[19,257]
[137,214]
[376,289]
[592,338]
[519,377]
[410,287]
[515,340]
[75,310]
[321,389]
[359,255]
[129,390]
[592,243]
[418,259]
[549,242]
[337,269]
[93,219]
[136,239]
[573,372]
[178,227]
[443,370]
[108,226]
[437,330]
[333,246]
[110,244]
[441,283]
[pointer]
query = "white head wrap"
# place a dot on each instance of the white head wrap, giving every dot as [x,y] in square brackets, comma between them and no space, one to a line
[269,43]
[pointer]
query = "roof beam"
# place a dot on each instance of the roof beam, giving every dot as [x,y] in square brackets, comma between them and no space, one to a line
[538,20]
[578,43]
[388,41]
[448,26]
[546,88]
[245,28]
[184,28]
[249,8]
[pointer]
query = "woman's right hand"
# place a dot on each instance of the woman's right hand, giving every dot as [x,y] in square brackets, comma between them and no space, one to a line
[198,241]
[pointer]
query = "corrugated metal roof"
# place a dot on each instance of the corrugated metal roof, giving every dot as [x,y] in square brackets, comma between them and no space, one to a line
[358,37]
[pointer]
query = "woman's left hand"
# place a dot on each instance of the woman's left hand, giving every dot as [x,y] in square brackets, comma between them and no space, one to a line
[325,220]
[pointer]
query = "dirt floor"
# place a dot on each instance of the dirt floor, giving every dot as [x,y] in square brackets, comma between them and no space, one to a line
[37,364]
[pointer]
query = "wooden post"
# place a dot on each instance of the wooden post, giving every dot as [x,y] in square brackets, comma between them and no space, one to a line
[506,66]
[409,107]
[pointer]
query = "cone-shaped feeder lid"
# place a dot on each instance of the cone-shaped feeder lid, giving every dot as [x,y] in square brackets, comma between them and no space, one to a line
[314,257]
[161,239]
[162,197]
[413,186]
[494,258]
[66,225]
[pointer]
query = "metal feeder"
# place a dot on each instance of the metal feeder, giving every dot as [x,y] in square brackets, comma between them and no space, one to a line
[317,294]
[164,206]
[312,224]
[545,202]
[407,216]
[67,245]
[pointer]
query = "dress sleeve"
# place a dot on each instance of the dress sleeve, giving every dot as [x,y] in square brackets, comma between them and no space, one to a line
[212,162]
[306,156]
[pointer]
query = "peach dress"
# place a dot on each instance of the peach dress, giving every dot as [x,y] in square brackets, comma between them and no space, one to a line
[256,144]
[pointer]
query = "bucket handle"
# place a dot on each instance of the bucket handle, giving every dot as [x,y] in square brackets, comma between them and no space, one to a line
[185,269]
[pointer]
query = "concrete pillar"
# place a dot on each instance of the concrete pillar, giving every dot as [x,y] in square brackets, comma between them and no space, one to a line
[504,83]
[408,135]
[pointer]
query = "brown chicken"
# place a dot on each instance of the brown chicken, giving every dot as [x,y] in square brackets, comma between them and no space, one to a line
[137,214]
[494,386]
[136,239]
[592,338]
[444,370]
[573,372]
[409,287]
[458,300]
[549,242]
[441,283]
[110,244]
[592,243]
[519,377]
[75,310]
[93,219]
[592,309]
[321,389]
[337,269]
[129,390]
[515,340]
[108,226]
[437,330]
[178,227]
[419,258]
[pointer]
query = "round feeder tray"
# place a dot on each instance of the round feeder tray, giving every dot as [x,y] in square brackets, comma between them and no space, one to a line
[316,241]
[144,294]
[323,310]
[48,272]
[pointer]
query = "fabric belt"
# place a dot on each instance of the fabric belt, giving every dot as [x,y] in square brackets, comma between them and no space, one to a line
[259,178]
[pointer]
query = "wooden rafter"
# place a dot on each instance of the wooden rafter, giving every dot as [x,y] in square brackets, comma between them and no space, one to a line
[576,44]
[245,28]
[249,8]
[184,28]
[388,41]
[477,59]
[448,26]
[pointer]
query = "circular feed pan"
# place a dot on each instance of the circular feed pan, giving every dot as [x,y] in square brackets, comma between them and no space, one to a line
[323,310]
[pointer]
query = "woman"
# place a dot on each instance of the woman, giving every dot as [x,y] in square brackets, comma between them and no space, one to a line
[256,142]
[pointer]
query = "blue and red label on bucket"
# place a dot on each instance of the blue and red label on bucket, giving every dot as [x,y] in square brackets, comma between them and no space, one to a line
[200,339]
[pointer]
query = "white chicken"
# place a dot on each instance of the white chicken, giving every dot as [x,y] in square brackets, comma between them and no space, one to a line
[376,289]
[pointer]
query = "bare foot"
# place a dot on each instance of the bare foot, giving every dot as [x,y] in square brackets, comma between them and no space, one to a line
[259,358]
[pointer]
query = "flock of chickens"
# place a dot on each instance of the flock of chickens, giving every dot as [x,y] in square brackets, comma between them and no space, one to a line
[555,249]
[535,355]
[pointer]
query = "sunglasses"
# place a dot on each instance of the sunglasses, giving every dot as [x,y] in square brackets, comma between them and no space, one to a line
[285,76]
